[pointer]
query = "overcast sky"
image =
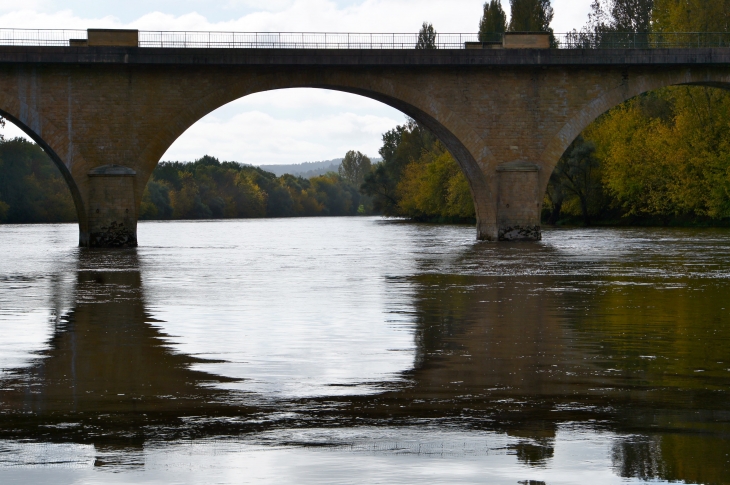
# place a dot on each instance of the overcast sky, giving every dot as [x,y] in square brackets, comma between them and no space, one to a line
[288,126]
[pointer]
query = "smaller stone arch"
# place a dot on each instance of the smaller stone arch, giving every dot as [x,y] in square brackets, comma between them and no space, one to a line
[618,95]
[470,150]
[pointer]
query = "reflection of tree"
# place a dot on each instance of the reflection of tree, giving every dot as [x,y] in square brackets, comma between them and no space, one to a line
[522,354]
[671,352]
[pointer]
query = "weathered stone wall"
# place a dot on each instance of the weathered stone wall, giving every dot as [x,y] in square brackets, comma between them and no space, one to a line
[92,107]
[112,207]
[519,201]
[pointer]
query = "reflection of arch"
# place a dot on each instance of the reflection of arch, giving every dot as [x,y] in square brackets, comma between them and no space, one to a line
[396,95]
[614,97]
[70,182]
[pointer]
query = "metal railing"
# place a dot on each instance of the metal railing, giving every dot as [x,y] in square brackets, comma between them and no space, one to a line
[342,40]
[297,40]
[642,40]
[39,37]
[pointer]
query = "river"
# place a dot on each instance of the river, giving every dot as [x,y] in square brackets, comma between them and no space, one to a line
[363,350]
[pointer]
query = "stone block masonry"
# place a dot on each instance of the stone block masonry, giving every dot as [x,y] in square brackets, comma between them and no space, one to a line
[106,115]
[112,207]
[518,202]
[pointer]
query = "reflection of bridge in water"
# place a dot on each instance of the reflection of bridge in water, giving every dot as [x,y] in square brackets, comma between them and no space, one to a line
[107,108]
[481,363]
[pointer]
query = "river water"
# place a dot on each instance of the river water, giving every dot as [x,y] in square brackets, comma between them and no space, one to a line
[362,350]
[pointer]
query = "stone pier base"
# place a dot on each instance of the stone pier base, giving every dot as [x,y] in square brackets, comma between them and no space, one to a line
[518,202]
[112,209]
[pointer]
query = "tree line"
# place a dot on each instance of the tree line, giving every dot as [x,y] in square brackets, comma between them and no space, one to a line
[32,189]
[211,189]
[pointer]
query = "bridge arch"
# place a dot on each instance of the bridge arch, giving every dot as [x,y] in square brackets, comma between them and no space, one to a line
[55,158]
[459,138]
[620,94]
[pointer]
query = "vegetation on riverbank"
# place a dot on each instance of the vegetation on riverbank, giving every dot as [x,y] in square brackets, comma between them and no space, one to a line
[662,158]
[31,186]
[210,189]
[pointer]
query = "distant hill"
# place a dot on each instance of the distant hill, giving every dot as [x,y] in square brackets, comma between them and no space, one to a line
[308,169]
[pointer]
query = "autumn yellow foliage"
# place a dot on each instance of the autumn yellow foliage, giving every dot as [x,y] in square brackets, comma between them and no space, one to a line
[434,186]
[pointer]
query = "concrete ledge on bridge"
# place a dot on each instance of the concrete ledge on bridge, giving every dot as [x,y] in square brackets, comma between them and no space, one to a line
[113,37]
[518,166]
[526,40]
[112,171]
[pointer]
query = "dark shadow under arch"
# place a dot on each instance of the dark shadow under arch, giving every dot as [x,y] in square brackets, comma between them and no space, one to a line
[603,105]
[598,107]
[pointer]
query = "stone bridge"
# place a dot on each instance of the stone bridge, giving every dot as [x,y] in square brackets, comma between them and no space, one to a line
[106,114]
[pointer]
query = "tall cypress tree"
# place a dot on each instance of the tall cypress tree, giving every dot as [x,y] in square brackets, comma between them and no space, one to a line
[426,37]
[493,22]
[621,15]
[531,16]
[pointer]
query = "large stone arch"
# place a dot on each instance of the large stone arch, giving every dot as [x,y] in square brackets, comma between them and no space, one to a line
[47,136]
[633,87]
[469,149]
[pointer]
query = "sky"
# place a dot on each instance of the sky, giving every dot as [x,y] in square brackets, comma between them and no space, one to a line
[275,127]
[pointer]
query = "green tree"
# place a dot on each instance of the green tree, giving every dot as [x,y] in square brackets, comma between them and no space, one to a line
[621,15]
[435,188]
[334,197]
[156,201]
[401,146]
[31,186]
[531,16]
[426,37]
[355,166]
[691,15]
[672,166]
[578,175]
[493,22]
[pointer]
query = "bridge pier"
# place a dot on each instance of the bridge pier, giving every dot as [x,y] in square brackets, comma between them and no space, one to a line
[519,201]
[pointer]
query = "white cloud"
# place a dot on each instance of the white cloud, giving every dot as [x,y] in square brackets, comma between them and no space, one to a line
[253,136]
[292,16]
[11,131]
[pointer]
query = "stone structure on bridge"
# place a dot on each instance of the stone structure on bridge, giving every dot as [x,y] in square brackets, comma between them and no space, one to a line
[106,114]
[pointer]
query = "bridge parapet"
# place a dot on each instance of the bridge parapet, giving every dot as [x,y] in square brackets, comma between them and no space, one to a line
[358,40]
